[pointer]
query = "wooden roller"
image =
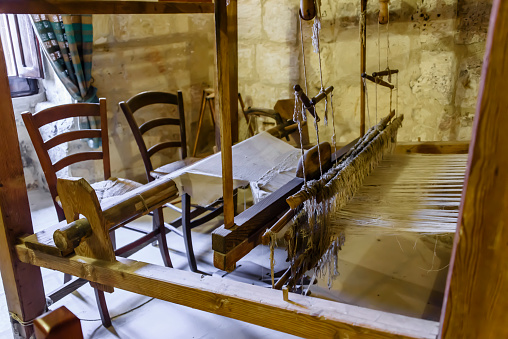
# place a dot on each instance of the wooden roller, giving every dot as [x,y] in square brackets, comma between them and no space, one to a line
[307,9]
[119,211]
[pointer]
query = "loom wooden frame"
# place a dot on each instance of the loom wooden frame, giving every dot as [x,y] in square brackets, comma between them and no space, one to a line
[465,298]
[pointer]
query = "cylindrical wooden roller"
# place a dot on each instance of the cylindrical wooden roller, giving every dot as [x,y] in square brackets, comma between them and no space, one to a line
[125,208]
[307,9]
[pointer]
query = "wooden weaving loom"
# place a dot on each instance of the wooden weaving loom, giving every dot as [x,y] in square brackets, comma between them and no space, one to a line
[474,307]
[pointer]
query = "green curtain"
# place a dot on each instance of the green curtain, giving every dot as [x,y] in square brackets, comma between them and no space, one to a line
[68,43]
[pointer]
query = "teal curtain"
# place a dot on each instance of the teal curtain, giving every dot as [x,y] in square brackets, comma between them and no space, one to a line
[68,43]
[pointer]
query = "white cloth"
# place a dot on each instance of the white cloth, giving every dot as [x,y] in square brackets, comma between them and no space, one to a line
[263,161]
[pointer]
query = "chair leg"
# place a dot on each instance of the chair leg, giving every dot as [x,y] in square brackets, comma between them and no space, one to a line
[186,230]
[103,308]
[158,223]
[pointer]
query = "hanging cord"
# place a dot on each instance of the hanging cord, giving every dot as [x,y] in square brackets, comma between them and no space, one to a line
[366,99]
[298,114]
[397,95]
[316,28]
[334,136]
[303,54]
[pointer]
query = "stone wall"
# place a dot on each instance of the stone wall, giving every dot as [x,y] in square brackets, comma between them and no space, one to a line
[437,45]
[136,53]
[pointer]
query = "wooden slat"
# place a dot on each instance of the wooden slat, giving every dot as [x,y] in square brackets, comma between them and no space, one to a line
[475,298]
[73,158]
[433,147]
[22,283]
[102,7]
[156,123]
[74,135]
[66,111]
[302,316]
[168,144]
[223,105]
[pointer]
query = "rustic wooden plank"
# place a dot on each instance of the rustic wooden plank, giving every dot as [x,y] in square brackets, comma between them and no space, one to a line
[256,217]
[224,107]
[22,283]
[302,316]
[102,7]
[433,147]
[232,23]
[475,298]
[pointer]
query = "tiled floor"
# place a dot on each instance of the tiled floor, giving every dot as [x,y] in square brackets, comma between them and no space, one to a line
[404,274]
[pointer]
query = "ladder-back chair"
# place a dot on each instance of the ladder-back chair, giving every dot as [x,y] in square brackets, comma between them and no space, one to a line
[104,189]
[129,108]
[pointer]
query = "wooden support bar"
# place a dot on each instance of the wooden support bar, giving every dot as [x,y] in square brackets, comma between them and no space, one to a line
[22,283]
[103,7]
[433,147]
[385,72]
[232,23]
[363,61]
[475,299]
[223,105]
[255,218]
[378,81]
[278,226]
[302,316]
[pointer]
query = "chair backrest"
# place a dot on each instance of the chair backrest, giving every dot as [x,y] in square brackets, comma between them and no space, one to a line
[144,99]
[35,121]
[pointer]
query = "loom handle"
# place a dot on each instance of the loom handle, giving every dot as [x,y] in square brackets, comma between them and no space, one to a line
[306,101]
[385,72]
[377,81]
[321,95]
[307,9]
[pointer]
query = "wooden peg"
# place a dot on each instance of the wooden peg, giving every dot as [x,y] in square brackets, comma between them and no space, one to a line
[306,101]
[285,293]
[307,9]
[383,11]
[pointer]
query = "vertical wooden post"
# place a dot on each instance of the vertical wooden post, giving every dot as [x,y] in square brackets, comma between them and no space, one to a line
[475,299]
[22,282]
[363,61]
[232,23]
[223,105]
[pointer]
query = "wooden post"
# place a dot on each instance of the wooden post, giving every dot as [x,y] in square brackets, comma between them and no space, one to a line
[232,22]
[223,105]
[475,299]
[363,62]
[22,282]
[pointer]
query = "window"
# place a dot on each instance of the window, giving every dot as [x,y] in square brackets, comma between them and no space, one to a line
[22,54]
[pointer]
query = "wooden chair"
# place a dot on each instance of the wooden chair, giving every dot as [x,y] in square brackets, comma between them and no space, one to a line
[129,108]
[108,188]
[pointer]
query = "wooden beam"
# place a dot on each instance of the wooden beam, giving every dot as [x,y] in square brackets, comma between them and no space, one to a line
[232,23]
[103,7]
[433,147]
[475,299]
[223,105]
[363,61]
[22,282]
[302,316]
